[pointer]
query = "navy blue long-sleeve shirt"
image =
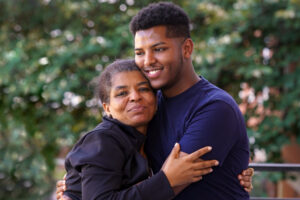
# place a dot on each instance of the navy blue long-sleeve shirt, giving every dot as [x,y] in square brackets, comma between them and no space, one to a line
[203,115]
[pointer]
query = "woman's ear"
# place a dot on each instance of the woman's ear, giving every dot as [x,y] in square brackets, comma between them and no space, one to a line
[106,109]
[187,48]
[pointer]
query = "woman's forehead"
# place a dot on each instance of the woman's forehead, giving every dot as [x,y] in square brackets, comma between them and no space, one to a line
[128,78]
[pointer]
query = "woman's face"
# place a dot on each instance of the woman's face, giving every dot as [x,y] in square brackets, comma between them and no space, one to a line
[132,100]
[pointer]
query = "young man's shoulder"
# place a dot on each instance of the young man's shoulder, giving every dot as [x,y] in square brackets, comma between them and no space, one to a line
[214,93]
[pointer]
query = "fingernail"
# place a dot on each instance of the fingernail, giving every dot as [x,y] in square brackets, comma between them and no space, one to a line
[209,148]
[210,170]
[216,163]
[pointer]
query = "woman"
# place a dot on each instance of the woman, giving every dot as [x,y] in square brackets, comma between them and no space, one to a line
[109,161]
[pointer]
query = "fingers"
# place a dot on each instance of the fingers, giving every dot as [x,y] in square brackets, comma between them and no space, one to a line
[248,172]
[247,186]
[204,167]
[196,178]
[59,195]
[246,179]
[195,155]
[205,164]
[175,151]
[247,190]
[60,188]
[60,183]
[201,172]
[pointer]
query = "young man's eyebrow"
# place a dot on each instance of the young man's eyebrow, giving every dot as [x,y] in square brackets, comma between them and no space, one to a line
[154,45]
[159,43]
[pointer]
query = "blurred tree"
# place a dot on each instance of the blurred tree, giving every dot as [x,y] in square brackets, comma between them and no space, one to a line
[51,49]
[253,46]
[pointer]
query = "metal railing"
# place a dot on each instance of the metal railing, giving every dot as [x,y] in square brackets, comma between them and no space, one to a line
[275,166]
[283,167]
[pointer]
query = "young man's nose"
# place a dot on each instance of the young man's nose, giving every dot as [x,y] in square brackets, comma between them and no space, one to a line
[149,59]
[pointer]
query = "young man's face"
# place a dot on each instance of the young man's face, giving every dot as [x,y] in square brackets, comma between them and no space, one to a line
[159,57]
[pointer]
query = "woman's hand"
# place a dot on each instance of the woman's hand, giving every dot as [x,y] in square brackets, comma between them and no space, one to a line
[60,188]
[187,169]
[246,179]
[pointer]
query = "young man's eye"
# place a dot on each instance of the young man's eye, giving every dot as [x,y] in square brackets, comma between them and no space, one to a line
[139,53]
[160,49]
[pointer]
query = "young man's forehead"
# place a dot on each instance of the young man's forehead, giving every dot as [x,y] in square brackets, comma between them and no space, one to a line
[160,30]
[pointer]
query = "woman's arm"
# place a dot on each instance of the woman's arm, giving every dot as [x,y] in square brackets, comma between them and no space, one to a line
[106,183]
[246,176]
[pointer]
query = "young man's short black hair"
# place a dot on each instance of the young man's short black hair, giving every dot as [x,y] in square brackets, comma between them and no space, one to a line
[162,13]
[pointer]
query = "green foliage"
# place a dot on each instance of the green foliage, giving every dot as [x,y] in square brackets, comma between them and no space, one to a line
[231,40]
[51,49]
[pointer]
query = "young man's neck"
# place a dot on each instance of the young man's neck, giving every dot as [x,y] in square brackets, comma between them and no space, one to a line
[186,82]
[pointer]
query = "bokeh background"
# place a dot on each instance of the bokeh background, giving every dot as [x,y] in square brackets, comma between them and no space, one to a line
[51,49]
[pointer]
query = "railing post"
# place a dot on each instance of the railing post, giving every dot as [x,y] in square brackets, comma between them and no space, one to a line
[274,167]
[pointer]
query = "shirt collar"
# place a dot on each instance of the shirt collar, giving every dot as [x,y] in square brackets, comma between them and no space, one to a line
[136,137]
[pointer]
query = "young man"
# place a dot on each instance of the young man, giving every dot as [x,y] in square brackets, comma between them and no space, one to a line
[191,110]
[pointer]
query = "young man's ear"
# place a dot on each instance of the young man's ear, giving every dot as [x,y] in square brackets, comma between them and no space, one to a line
[187,48]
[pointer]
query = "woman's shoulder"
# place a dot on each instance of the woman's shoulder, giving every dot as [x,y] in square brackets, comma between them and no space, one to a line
[97,147]
[104,133]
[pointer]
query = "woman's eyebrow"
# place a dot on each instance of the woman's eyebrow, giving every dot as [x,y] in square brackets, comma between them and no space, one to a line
[119,87]
[143,83]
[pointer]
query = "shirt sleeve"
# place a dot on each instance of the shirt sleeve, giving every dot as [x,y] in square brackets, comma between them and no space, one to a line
[73,182]
[102,175]
[214,125]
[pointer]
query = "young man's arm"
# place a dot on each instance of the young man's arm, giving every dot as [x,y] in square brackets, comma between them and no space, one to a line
[217,125]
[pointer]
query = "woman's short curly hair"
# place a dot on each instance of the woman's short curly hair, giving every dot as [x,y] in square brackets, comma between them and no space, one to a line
[162,13]
[103,82]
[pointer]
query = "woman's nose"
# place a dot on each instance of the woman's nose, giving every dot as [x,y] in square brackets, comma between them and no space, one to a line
[135,95]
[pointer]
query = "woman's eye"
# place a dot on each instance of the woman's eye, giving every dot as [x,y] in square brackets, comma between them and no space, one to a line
[143,89]
[121,94]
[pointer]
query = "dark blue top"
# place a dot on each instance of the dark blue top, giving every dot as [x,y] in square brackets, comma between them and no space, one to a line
[200,116]
[106,164]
